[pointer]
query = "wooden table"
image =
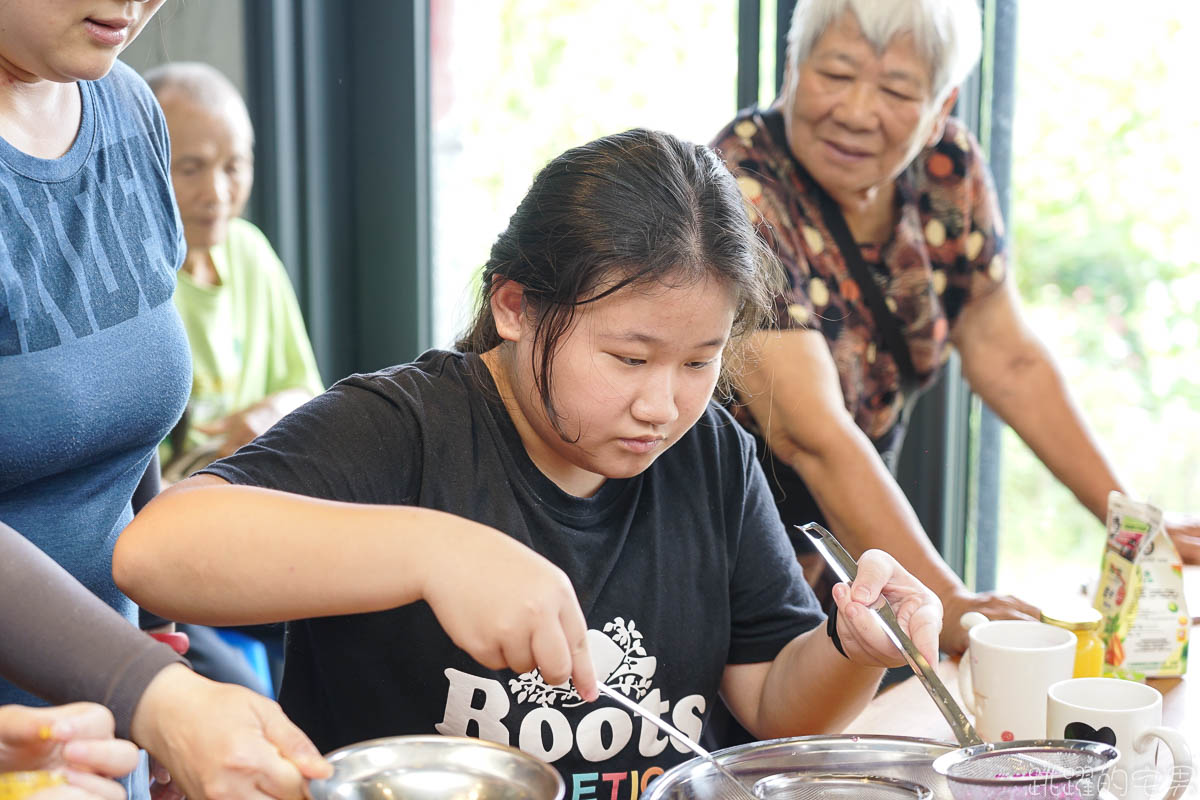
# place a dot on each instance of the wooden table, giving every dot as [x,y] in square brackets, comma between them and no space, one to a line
[907,710]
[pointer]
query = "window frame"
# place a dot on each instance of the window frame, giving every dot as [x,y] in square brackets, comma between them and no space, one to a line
[354,226]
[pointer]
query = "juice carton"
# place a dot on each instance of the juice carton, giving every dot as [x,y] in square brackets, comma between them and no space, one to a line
[1140,594]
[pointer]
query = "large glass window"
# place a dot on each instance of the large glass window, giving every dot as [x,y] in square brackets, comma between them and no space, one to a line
[516,83]
[1106,238]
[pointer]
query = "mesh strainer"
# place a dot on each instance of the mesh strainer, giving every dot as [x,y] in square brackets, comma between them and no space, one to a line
[810,786]
[1055,768]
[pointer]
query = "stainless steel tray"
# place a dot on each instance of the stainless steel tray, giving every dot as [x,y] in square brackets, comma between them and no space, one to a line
[888,756]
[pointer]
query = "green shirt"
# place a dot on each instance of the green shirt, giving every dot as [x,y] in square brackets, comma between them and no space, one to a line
[247,335]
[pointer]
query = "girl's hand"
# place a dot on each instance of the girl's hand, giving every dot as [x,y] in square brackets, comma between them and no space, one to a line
[75,739]
[917,608]
[509,607]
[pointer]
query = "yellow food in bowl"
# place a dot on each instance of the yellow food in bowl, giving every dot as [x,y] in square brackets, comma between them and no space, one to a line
[16,785]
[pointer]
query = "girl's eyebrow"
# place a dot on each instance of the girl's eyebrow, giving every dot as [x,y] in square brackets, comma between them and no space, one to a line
[646,338]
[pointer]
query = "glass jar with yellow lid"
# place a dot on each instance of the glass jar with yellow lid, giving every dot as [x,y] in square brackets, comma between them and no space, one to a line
[1084,622]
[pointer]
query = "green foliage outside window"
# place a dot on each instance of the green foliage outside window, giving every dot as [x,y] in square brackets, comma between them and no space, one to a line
[1106,239]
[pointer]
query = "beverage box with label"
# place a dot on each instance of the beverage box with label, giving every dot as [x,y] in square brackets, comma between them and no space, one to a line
[1141,596]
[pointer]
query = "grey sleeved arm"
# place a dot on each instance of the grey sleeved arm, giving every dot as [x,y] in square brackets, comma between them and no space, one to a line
[62,643]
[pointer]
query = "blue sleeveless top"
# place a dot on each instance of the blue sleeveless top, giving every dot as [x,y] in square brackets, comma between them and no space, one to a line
[94,364]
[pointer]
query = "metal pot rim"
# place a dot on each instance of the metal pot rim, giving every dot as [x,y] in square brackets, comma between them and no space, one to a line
[481,758]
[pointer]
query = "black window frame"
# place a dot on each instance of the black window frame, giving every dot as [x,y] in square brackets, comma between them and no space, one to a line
[343,88]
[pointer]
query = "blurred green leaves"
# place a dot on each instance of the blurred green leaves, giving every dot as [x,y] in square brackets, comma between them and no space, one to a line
[1106,244]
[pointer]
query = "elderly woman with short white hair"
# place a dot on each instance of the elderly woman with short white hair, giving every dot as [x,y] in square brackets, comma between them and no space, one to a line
[881,208]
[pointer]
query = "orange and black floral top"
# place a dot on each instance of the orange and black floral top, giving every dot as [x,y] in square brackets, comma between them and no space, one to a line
[947,249]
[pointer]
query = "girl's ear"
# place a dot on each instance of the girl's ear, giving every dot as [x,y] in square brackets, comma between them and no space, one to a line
[508,307]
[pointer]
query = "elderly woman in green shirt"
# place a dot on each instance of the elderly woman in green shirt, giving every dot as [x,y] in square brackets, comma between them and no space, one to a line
[251,358]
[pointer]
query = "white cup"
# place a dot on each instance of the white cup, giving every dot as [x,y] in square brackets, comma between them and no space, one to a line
[1125,714]
[1004,675]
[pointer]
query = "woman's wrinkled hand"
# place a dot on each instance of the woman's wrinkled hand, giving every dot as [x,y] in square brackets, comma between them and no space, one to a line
[75,740]
[217,741]
[991,605]
[917,608]
[242,427]
[1184,530]
[239,428]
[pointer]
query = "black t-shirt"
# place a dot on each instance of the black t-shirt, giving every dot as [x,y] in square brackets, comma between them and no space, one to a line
[679,571]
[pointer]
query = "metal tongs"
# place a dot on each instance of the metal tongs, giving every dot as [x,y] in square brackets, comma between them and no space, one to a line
[846,568]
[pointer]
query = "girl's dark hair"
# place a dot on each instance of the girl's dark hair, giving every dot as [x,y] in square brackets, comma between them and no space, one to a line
[635,208]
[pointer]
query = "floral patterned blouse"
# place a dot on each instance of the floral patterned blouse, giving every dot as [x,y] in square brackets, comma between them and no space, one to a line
[946,250]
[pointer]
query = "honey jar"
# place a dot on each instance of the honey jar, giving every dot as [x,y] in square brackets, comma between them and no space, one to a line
[1084,622]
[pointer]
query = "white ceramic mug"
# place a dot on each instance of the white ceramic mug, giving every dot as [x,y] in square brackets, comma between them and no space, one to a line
[1125,714]
[1004,675]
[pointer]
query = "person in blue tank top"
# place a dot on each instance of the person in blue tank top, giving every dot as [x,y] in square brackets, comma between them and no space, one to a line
[94,363]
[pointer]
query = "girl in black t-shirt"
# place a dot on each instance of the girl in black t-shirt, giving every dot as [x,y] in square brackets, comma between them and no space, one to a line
[564,470]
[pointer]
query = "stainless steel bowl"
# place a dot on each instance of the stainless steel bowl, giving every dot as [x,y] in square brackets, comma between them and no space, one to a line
[436,768]
[897,757]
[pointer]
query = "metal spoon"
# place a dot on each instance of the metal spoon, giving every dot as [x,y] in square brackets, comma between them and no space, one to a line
[743,792]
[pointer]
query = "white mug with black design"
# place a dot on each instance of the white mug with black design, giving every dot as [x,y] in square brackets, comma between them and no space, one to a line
[1129,716]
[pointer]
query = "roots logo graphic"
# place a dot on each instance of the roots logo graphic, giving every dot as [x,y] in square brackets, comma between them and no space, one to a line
[620,659]
[549,722]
